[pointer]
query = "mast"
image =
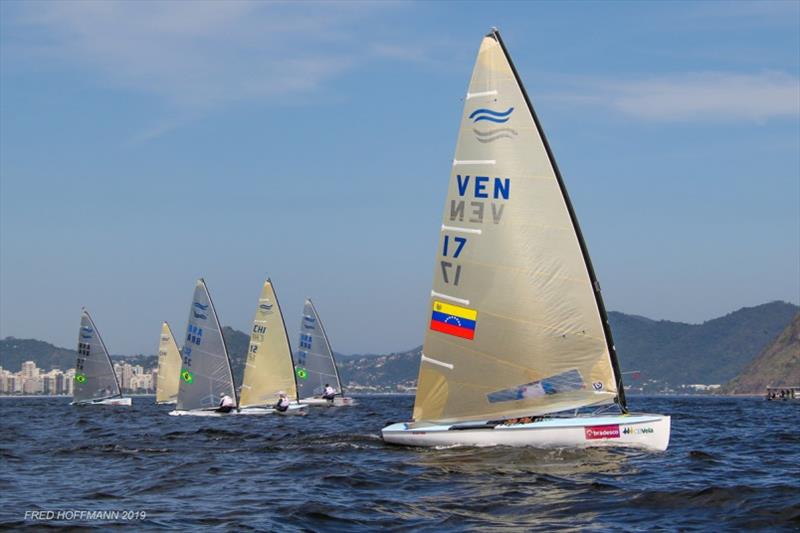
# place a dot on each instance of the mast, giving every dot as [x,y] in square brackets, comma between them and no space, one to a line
[584,250]
[288,343]
[224,344]
[328,343]
[105,350]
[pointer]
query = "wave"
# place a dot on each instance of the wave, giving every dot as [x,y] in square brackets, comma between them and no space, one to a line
[491,115]
[492,135]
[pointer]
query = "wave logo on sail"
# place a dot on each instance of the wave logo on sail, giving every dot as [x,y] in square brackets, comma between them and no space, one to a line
[491,115]
[200,307]
[453,320]
[309,322]
[86,332]
[265,306]
[492,134]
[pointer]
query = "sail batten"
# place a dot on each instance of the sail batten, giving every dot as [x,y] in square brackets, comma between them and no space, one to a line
[206,372]
[516,325]
[268,369]
[169,367]
[95,378]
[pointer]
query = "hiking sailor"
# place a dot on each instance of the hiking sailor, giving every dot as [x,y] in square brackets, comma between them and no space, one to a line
[283,402]
[226,403]
[329,393]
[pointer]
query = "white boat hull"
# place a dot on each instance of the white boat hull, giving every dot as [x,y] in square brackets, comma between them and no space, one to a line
[645,431]
[338,401]
[294,409]
[119,401]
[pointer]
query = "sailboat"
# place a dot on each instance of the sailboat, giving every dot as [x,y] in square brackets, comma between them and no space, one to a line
[169,367]
[314,364]
[268,370]
[206,373]
[518,346]
[95,380]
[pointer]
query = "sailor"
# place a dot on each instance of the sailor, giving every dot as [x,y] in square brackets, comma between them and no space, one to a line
[283,402]
[329,393]
[226,403]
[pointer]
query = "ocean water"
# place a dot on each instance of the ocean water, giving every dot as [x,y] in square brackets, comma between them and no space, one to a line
[732,463]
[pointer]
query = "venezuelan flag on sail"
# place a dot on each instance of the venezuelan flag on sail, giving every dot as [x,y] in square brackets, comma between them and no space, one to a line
[453,320]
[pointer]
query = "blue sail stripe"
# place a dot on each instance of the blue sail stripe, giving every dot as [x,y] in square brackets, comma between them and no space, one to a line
[491,112]
[492,119]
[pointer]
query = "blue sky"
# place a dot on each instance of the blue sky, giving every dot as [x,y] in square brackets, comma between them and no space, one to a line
[143,145]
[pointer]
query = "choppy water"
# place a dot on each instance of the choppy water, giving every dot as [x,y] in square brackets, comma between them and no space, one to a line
[732,463]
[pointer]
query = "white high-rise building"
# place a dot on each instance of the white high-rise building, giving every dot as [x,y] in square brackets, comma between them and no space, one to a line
[29,370]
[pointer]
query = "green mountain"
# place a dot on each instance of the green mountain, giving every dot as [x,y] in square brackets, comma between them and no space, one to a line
[394,371]
[237,344]
[777,365]
[667,354]
[14,352]
[715,351]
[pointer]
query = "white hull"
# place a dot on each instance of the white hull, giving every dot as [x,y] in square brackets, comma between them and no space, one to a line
[631,431]
[338,401]
[294,409]
[122,402]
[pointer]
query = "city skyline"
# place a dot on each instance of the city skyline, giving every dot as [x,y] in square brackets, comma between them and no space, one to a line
[32,380]
[144,147]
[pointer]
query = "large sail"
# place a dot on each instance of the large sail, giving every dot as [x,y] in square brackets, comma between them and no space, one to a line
[268,370]
[517,326]
[206,369]
[169,367]
[94,374]
[314,363]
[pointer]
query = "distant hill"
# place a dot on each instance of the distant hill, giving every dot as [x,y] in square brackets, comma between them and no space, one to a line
[777,365]
[14,352]
[712,352]
[381,371]
[671,353]
[237,343]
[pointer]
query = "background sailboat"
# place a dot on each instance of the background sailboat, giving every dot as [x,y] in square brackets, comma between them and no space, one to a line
[95,380]
[268,370]
[206,368]
[315,365]
[517,324]
[169,367]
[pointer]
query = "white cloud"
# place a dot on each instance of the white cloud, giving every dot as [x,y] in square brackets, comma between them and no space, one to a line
[717,96]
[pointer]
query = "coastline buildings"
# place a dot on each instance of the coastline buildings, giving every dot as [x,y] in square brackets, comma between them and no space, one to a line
[133,379]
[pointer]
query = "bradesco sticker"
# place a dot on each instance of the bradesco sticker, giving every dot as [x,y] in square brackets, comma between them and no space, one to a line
[602,432]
